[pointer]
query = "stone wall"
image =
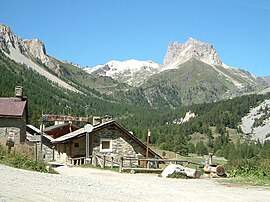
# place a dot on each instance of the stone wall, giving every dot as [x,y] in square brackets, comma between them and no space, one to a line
[122,145]
[15,125]
[8,126]
[48,150]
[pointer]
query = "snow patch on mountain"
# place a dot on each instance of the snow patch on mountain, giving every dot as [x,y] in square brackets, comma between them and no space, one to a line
[133,72]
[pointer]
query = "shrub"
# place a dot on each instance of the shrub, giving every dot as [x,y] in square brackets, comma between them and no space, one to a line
[250,168]
[22,156]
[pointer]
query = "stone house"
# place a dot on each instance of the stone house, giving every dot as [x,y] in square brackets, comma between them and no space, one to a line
[13,119]
[108,140]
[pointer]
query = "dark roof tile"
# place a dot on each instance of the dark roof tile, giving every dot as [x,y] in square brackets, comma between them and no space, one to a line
[11,107]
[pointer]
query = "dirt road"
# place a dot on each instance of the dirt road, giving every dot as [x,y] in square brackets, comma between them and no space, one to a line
[85,184]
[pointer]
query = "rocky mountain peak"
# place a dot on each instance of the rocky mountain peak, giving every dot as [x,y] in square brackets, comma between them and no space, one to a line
[37,49]
[192,48]
[14,46]
[9,39]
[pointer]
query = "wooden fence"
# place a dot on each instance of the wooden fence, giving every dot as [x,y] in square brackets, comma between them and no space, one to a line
[149,165]
[129,163]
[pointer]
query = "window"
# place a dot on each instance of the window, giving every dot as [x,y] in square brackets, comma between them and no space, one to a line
[105,145]
[76,144]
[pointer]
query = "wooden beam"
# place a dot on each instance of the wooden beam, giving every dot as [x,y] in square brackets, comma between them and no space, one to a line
[143,169]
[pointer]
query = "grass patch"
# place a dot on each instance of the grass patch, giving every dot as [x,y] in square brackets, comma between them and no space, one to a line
[255,172]
[191,157]
[115,169]
[21,156]
[240,180]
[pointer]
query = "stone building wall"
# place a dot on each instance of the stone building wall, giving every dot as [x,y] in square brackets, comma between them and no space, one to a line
[8,126]
[15,125]
[48,150]
[121,146]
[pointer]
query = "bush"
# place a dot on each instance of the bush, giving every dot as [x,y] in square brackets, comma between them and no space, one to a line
[177,175]
[250,168]
[21,156]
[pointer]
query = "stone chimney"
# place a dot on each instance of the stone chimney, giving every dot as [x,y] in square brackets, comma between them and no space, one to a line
[19,92]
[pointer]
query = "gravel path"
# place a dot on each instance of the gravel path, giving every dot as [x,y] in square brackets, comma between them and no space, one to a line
[86,184]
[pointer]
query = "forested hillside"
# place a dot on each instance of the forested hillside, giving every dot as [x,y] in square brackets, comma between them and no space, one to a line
[175,137]
[43,95]
[212,120]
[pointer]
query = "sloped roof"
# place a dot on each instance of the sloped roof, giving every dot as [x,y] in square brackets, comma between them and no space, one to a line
[56,126]
[12,107]
[81,132]
[70,135]
[31,128]
[78,132]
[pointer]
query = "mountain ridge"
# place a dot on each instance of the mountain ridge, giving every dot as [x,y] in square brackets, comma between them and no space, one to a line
[137,82]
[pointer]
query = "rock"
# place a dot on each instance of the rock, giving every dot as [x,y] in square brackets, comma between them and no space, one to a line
[37,49]
[172,168]
[191,48]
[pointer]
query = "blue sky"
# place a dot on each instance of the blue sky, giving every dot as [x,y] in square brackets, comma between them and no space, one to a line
[96,31]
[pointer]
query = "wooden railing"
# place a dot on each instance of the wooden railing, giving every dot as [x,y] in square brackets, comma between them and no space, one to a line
[101,161]
[148,165]
[77,161]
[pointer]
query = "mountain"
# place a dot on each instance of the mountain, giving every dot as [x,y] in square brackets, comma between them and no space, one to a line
[267,79]
[32,53]
[132,72]
[180,53]
[192,73]
[181,80]
[196,82]
[26,51]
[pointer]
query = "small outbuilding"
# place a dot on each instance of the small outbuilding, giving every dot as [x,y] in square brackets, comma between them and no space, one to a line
[13,117]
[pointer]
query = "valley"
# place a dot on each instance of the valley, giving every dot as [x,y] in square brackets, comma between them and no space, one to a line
[230,105]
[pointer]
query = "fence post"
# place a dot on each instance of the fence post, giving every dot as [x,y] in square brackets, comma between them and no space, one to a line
[147,164]
[121,164]
[104,161]
[111,162]
[96,158]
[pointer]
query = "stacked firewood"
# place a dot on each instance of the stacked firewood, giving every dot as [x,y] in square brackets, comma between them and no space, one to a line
[212,171]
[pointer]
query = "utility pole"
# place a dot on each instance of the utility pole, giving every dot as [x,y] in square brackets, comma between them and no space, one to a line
[41,135]
[88,128]
[147,147]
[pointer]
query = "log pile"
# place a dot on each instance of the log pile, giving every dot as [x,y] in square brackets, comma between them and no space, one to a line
[213,171]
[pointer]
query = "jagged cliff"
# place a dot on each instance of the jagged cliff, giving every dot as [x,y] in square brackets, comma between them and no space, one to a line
[31,53]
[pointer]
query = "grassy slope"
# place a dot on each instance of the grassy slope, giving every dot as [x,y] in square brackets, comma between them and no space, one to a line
[103,84]
[193,82]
